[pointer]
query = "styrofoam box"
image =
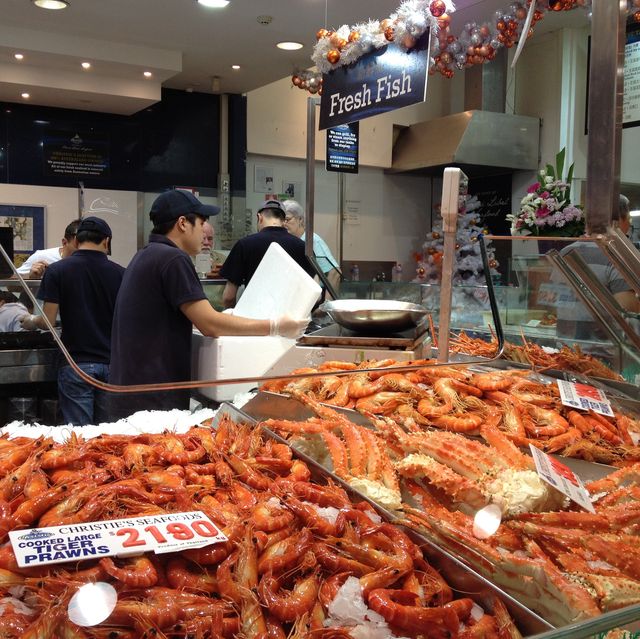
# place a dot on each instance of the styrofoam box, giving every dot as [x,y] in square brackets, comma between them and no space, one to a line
[229,357]
[280,286]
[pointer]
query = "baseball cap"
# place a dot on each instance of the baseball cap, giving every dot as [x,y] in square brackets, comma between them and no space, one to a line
[272,204]
[95,224]
[170,205]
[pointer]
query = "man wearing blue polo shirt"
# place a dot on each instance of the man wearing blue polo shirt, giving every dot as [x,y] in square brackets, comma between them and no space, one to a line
[83,287]
[160,300]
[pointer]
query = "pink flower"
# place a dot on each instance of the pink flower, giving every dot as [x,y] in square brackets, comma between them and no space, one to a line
[534,187]
[543,211]
[544,195]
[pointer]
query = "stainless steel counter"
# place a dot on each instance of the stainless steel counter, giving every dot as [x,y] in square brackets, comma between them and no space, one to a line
[24,366]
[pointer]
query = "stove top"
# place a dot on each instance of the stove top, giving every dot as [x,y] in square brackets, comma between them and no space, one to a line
[335,335]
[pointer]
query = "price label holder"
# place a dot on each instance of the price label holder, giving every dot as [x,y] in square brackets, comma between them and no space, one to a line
[584,397]
[170,532]
[562,478]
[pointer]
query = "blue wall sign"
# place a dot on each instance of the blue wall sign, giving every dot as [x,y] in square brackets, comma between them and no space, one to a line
[342,148]
[383,80]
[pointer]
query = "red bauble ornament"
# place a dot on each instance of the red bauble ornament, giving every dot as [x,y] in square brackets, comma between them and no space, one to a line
[321,33]
[501,25]
[555,5]
[521,13]
[333,56]
[389,33]
[493,264]
[636,16]
[296,80]
[636,3]
[354,36]
[437,8]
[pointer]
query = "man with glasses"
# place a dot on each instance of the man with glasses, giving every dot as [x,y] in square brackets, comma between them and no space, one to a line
[247,253]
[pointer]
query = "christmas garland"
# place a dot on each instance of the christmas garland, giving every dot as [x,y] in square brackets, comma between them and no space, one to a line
[476,44]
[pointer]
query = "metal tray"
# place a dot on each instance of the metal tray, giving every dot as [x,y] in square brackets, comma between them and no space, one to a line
[458,575]
[364,315]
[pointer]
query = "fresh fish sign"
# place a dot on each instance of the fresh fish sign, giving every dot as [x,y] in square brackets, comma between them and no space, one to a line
[383,80]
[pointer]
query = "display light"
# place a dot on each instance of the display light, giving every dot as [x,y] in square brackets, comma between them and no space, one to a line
[54,5]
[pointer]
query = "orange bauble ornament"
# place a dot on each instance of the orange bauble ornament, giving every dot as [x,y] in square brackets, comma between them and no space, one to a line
[444,20]
[321,33]
[296,80]
[333,56]
[389,32]
[437,258]
[636,16]
[385,24]
[354,36]
[336,40]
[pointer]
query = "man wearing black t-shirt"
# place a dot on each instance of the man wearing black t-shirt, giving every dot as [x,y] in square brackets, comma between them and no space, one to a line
[83,287]
[246,254]
[160,300]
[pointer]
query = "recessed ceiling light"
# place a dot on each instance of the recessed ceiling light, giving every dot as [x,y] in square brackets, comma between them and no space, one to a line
[235,67]
[289,46]
[18,56]
[26,96]
[214,4]
[51,4]
[147,74]
[85,65]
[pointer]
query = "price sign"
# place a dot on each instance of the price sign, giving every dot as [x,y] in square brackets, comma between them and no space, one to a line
[170,532]
[584,397]
[562,478]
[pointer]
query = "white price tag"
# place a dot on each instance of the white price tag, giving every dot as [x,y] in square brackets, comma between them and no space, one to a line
[584,397]
[562,478]
[170,532]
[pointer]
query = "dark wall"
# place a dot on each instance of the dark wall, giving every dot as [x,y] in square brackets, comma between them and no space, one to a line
[173,142]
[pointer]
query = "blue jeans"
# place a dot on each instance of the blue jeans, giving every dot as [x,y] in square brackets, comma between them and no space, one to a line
[80,402]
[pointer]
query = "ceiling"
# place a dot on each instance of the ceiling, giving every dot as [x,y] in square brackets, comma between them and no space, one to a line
[183,44]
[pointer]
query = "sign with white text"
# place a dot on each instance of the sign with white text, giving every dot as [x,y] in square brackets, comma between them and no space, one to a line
[631,95]
[383,80]
[585,397]
[562,478]
[342,148]
[170,532]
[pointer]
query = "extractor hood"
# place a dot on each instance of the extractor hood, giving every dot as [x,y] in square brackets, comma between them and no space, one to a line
[482,142]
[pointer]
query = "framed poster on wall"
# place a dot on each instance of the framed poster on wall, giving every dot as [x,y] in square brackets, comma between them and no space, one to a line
[27,223]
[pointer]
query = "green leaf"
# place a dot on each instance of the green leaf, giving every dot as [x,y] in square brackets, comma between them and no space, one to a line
[560,163]
[569,178]
[551,172]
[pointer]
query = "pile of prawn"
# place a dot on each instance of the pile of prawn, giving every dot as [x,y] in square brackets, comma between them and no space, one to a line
[293,546]
[568,358]
[525,407]
[570,564]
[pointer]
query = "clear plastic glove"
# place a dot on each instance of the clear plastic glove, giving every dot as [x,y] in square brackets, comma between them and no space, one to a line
[28,323]
[286,326]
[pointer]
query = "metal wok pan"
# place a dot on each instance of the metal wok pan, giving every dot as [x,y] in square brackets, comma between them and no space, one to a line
[386,316]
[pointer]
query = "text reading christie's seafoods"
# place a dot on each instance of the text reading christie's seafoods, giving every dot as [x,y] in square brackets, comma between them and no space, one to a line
[159,534]
[386,88]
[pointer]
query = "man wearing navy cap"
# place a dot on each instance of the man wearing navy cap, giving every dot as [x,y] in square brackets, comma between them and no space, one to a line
[160,300]
[83,287]
[247,253]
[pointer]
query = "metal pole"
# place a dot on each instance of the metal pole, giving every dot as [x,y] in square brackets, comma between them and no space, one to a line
[311,175]
[605,112]
[80,200]
[310,194]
